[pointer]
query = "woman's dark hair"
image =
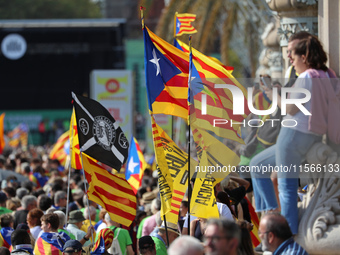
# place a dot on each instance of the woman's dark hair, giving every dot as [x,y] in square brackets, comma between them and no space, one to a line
[20,236]
[311,47]
[37,214]
[246,245]
[223,198]
[45,202]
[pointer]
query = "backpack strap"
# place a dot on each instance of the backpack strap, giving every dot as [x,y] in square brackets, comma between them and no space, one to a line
[117,232]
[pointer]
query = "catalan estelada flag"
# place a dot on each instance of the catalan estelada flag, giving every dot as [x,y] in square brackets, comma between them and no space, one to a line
[207,85]
[74,144]
[58,151]
[50,243]
[19,136]
[2,138]
[113,193]
[5,237]
[104,239]
[166,74]
[185,48]
[135,165]
[38,179]
[183,24]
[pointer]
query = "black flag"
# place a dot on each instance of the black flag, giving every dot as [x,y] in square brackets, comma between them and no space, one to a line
[99,135]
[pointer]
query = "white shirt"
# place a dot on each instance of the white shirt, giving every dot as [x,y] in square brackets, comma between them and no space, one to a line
[35,231]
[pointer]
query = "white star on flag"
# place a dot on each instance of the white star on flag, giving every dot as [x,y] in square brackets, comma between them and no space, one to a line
[155,61]
[132,165]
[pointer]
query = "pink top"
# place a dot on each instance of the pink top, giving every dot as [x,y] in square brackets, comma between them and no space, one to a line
[149,225]
[325,109]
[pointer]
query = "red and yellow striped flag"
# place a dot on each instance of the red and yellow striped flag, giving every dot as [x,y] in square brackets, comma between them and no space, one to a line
[255,238]
[2,137]
[44,248]
[183,24]
[58,151]
[74,144]
[113,193]
[260,102]
[219,101]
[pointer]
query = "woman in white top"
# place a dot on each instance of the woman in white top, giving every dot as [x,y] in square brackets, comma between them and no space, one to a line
[33,221]
[294,139]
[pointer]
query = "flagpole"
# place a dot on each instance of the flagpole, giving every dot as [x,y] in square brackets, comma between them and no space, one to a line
[69,166]
[172,117]
[189,137]
[175,24]
[88,204]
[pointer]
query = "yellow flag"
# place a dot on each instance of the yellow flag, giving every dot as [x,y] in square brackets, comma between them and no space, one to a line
[164,178]
[171,158]
[216,162]
[203,201]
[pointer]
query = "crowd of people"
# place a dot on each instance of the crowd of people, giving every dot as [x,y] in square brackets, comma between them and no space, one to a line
[39,216]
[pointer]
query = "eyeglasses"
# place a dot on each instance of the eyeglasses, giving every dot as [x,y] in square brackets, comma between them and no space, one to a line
[262,233]
[214,239]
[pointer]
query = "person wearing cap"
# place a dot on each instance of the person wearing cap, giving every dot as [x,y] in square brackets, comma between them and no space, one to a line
[75,221]
[3,199]
[147,246]
[160,238]
[123,236]
[50,241]
[6,223]
[72,247]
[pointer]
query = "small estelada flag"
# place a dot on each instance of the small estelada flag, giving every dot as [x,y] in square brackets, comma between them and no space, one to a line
[99,135]
[183,24]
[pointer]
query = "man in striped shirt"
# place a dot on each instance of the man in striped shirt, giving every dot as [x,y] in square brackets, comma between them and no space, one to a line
[277,237]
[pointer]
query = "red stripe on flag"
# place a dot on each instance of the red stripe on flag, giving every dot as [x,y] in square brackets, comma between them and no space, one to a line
[176,199]
[254,239]
[179,192]
[118,199]
[114,184]
[116,210]
[174,212]
[175,205]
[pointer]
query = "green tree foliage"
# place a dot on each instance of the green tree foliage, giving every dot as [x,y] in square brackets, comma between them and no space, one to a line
[48,9]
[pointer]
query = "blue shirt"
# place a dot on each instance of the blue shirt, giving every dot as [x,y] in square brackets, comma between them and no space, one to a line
[290,247]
